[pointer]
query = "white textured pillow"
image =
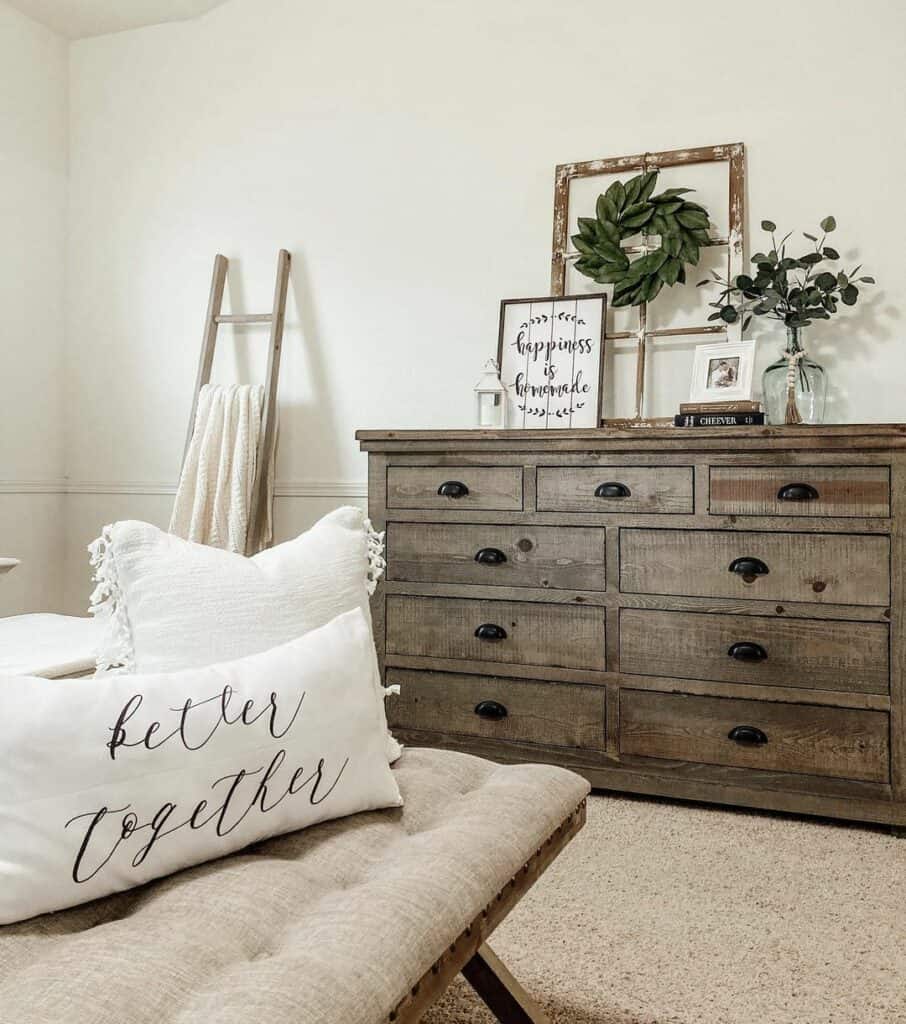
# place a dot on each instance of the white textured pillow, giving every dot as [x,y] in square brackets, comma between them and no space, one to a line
[109,782]
[169,604]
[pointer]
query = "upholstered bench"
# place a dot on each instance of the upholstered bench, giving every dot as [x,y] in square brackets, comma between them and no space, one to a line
[363,920]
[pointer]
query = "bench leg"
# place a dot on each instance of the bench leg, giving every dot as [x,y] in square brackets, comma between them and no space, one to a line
[503,995]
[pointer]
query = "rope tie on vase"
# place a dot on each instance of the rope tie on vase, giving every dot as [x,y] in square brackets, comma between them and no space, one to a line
[793,359]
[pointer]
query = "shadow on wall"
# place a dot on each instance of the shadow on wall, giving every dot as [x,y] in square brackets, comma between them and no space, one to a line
[303,425]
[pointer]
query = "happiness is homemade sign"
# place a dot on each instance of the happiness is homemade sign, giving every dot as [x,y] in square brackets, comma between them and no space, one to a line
[550,357]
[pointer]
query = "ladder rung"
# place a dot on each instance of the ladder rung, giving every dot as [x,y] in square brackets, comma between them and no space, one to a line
[244,318]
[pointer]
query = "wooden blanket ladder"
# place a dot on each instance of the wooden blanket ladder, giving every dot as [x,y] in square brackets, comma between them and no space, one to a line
[268,436]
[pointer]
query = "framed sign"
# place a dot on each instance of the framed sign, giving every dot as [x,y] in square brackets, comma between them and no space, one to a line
[723,372]
[551,357]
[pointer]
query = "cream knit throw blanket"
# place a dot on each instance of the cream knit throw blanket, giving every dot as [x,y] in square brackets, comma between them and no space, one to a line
[214,498]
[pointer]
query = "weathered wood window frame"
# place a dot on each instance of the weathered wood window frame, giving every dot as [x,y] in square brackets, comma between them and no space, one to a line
[734,155]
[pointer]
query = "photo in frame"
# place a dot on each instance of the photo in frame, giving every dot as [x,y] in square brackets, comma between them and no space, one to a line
[723,372]
[550,352]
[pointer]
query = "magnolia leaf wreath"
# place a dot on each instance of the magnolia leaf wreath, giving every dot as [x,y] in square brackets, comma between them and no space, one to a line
[632,209]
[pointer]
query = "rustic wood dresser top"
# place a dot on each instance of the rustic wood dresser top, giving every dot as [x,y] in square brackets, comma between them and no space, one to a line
[714,614]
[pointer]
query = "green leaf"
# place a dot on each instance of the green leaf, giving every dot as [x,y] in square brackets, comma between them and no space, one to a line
[811,238]
[744,282]
[759,257]
[608,231]
[671,244]
[659,225]
[714,316]
[692,219]
[653,286]
[826,282]
[617,195]
[768,225]
[609,274]
[669,272]
[830,253]
[588,228]
[612,253]
[849,295]
[842,280]
[811,258]
[582,246]
[729,314]
[605,209]
[689,252]
[670,193]
[867,280]
[633,187]
[828,224]
[649,181]
[641,215]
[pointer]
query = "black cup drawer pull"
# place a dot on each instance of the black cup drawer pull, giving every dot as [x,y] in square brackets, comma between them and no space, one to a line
[745,651]
[747,567]
[490,556]
[452,489]
[747,736]
[612,490]
[491,709]
[490,631]
[797,492]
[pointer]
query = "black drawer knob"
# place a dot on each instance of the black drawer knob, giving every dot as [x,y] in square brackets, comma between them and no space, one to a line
[746,651]
[612,490]
[491,709]
[490,631]
[490,556]
[797,492]
[452,489]
[747,736]
[749,568]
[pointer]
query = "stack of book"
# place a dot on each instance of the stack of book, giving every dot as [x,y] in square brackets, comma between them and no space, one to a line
[719,414]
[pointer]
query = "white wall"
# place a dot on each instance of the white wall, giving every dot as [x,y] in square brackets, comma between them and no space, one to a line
[33,146]
[404,152]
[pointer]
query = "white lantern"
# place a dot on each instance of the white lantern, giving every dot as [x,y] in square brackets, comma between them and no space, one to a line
[491,396]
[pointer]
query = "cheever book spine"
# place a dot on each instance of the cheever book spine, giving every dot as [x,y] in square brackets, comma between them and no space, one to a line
[732,419]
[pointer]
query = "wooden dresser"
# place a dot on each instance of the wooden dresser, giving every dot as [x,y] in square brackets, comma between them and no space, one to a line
[710,614]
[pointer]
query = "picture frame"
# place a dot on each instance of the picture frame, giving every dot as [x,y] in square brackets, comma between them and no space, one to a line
[647,334]
[550,351]
[723,372]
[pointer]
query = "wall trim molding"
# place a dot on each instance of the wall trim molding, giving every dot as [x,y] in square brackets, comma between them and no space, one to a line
[282,489]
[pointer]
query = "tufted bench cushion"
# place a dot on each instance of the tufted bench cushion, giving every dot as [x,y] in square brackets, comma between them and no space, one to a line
[331,925]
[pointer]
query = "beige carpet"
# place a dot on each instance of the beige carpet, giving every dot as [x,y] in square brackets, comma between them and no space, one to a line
[663,913]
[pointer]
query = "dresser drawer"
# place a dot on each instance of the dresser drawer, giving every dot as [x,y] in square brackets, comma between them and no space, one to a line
[830,568]
[799,738]
[552,714]
[651,489]
[800,490]
[848,656]
[494,488]
[562,558]
[516,632]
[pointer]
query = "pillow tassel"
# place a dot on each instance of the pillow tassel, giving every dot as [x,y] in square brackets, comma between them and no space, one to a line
[376,562]
[116,652]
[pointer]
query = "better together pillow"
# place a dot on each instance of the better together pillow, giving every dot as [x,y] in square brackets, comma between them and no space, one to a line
[109,782]
[169,604]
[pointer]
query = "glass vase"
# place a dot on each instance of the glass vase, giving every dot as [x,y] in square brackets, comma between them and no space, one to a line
[795,387]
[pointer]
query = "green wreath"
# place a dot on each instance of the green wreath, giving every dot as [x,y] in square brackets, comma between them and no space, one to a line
[631,209]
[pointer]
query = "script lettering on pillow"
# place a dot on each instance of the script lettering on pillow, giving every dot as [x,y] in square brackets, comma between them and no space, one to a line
[107,783]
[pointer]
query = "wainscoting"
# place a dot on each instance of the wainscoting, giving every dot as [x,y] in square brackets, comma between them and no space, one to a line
[49,525]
